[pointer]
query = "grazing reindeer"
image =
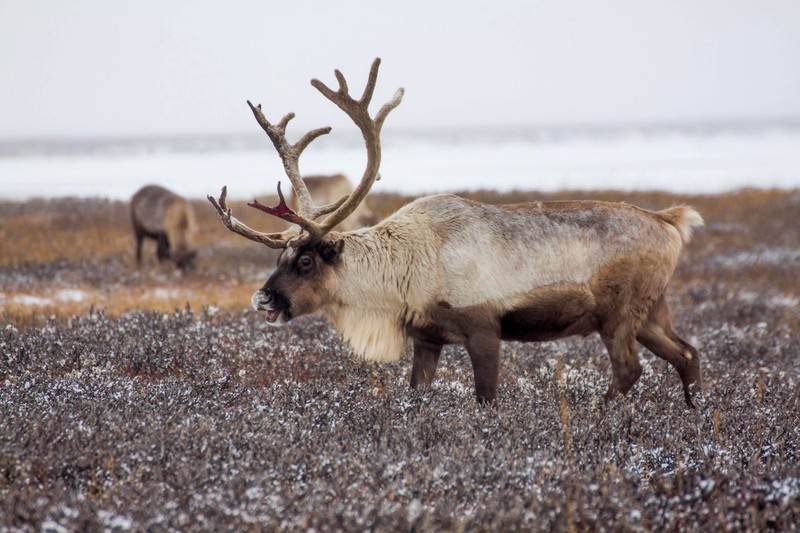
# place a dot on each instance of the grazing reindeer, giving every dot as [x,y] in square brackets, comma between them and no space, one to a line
[445,270]
[327,189]
[162,215]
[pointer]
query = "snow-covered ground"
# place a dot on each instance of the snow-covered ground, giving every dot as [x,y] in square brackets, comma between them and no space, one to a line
[683,160]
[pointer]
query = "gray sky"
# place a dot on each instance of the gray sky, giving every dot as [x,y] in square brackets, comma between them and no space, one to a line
[98,67]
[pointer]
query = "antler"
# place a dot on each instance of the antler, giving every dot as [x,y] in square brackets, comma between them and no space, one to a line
[370,128]
[358,111]
[273,240]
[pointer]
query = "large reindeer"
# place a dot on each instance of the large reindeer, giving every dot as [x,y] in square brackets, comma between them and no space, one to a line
[447,270]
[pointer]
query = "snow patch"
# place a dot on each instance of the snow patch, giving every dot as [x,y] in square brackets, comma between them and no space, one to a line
[64,295]
[29,299]
[162,293]
[114,521]
[70,295]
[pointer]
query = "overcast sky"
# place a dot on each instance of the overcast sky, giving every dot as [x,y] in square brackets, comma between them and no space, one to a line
[84,68]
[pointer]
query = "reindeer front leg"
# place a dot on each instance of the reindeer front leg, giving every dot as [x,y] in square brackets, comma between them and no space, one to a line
[484,352]
[426,358]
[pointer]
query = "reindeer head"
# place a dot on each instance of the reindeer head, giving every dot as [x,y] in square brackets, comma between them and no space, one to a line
[301,282]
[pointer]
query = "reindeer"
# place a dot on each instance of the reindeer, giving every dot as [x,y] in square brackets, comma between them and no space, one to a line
[326,189]
[162,215]
[444,269]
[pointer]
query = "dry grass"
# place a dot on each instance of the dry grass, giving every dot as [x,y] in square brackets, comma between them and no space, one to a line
[64,257]
[87,246]
[69,229]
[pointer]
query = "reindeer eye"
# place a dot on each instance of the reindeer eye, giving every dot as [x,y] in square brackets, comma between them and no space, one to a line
[305,262]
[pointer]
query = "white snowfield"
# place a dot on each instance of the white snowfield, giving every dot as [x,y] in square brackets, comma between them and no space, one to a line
[680,161]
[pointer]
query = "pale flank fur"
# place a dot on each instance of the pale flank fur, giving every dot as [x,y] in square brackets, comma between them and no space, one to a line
[496,255]
[447,249]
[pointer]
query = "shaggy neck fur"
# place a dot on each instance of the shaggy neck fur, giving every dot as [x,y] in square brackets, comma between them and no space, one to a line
[380,281]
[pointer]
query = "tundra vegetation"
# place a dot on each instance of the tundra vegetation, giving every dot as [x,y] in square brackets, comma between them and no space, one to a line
[143,399]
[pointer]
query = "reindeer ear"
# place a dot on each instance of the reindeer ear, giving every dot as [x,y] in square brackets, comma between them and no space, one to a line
[329,251]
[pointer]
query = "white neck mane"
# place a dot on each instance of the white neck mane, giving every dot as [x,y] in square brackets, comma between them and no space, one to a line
[373,334]
[384,274]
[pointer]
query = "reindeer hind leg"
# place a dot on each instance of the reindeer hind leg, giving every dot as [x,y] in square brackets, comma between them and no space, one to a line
[658,336]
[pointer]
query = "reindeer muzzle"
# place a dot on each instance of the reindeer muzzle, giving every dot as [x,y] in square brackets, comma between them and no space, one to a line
[275,305]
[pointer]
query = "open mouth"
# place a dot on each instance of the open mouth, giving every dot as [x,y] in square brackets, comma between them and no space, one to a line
[273,314]
[273,305]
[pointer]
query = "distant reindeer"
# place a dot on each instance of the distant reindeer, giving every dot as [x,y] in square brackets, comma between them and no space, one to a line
[328,189]
[162,215]
[446,270]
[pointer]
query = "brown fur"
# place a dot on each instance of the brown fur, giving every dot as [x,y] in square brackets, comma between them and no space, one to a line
[446,270]
[161,215]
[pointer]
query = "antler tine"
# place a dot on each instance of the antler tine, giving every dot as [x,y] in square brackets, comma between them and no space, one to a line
[388,107]
[370,128]
[290,155]
[331,207]
[273,240]
[283,211]
[372,79]
[284,121]
[342,81]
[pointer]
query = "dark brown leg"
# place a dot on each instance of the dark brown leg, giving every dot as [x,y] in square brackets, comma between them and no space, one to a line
[426,358]
[658,336]
[139,239]
[484,352]
[625,366]
[163,247]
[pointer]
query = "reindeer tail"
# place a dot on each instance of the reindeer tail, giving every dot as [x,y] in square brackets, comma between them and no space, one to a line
[683,218]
